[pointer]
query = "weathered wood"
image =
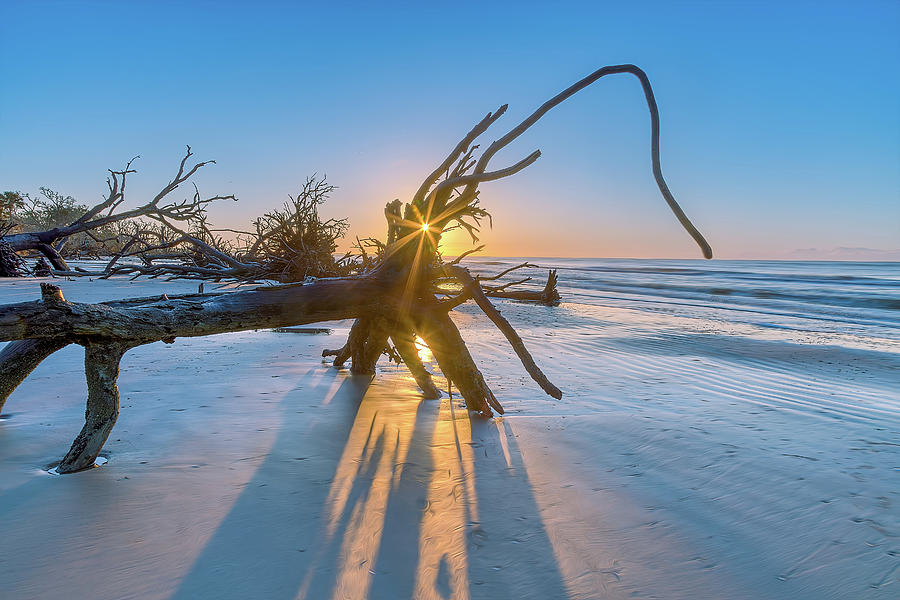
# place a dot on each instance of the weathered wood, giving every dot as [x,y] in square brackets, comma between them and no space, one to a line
[363,348]
[355,341]
[404,342]
[101,368]
[163,318]
[439,331]
[549,296]
[371,349]
[107,330]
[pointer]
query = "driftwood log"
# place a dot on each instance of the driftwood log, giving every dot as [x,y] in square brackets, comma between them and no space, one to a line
[549,295]
[402,296]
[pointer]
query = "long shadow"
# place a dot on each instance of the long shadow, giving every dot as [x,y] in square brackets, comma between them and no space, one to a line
[396,498]
[265,545]
[510,554]
[386,497]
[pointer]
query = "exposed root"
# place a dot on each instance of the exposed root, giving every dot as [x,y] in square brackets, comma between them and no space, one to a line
[457,365]
[404,342]
[366,354]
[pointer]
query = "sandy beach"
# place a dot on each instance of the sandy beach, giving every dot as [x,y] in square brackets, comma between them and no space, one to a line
[692,456]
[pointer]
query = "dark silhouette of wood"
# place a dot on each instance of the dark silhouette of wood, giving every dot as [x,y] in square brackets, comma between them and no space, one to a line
[505,328]
[10,262]
[548,296]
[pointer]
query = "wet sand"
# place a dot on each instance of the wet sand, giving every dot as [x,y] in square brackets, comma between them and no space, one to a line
[681,463]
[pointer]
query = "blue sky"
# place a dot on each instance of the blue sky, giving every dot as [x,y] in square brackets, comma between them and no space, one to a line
[780,121]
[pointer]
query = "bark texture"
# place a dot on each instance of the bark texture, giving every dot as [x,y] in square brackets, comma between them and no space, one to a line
[101,368]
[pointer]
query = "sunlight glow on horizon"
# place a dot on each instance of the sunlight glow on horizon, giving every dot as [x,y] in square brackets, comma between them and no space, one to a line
[780,136]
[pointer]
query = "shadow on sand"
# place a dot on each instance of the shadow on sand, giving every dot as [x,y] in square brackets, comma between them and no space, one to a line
[376,493]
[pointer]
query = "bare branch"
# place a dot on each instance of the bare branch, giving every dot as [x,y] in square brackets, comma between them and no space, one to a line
[459,258]
[654,140]
[503,325]
[460,148]
[502,273]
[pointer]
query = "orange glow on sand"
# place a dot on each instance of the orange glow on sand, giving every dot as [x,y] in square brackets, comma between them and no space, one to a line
[373,462]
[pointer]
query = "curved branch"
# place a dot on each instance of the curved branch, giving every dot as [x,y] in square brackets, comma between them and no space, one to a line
[473,179]
[460,148]
[654,141]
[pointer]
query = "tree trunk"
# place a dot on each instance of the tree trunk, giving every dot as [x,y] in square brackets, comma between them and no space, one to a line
[101,368]
[147,320]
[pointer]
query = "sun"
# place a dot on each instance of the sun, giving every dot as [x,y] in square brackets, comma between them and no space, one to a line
[424,226]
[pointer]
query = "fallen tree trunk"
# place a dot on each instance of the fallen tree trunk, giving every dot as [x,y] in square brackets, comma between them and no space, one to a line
[107,330]
[395,300]
[42,242]
[146,320]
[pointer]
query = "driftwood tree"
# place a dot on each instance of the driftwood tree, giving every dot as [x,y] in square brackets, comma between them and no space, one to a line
[287,244]
[404,295]
[107,212]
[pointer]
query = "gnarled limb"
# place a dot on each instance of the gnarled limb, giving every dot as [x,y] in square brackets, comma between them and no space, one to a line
[440,204]
[101,367]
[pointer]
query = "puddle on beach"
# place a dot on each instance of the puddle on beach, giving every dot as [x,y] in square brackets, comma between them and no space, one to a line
[101,460]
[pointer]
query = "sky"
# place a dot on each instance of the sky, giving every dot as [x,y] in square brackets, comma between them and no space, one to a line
[780,121]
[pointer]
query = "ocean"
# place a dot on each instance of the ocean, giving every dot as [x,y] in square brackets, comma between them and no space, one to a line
[857,301]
